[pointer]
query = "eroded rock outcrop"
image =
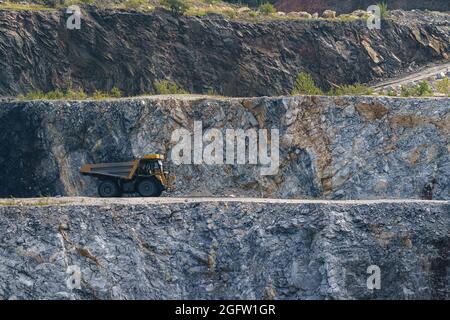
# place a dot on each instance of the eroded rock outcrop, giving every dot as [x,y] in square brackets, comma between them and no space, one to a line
[329,147]
[233,58]
[222,249]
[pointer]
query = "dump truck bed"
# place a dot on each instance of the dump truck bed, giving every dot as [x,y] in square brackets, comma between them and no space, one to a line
[124,170]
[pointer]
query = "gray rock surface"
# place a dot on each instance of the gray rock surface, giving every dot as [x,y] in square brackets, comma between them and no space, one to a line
[132,50]
[330,147]
[220,248]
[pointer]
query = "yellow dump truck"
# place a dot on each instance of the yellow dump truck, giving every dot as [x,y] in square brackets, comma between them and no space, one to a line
[145,176]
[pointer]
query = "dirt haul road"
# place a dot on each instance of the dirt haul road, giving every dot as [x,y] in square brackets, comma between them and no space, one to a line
[416,76]
[94,201]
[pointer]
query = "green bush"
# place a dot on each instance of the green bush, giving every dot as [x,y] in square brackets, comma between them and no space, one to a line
[347,17]
[70,94]
[423,89]
[115,92]
[230,13]
[443,86]
[75,94]
[304,84]
[176,6]
[266,8]
[407,91]
[352,90]
[34,95]
[99,95]
[391,93]
[54,95]
[383,9]
[167,87]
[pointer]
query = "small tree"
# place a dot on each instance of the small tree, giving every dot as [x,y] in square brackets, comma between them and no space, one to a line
[443,86]
[305,85]
[176,6]
[424,89]
[116,93]
[266,8]
[406,91]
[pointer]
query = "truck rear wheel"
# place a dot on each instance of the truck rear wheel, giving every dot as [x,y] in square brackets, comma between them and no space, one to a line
[108,188]
[149,187]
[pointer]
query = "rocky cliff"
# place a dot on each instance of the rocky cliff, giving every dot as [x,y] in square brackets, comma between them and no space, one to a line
[351,5]
[234,58]
[223,249]
[329,147]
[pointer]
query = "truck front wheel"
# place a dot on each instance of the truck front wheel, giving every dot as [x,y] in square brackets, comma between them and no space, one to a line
[108,188]
[149,187]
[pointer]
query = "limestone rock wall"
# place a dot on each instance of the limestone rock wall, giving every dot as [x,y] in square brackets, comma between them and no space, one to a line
[233,58]
[330,147]
[224,249]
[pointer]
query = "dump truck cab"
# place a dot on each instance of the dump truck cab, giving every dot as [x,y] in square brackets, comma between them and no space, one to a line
[152,165]
[146,176]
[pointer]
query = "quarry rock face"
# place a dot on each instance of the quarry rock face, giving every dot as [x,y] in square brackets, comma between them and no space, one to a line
[232,58]
[214,249]
[340,198]
[329,147]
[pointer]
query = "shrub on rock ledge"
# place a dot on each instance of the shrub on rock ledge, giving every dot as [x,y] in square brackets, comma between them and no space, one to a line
[267,8]
[305,85]
[167,87]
